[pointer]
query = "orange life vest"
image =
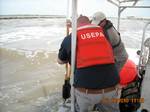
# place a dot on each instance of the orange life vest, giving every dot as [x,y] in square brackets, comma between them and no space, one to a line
[128,72]
[92,47]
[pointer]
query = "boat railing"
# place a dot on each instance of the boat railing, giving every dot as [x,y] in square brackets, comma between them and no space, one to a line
[144,53]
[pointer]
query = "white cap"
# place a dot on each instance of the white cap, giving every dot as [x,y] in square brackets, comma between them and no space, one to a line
[98,17]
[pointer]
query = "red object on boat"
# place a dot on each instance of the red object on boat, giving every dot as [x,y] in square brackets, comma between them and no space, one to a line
[128,73]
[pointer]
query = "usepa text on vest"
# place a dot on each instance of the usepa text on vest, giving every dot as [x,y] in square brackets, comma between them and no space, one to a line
[91,35]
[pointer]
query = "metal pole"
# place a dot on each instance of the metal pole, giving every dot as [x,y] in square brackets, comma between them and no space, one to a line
[73,48]
[135,6]
[119,13]
[68,68]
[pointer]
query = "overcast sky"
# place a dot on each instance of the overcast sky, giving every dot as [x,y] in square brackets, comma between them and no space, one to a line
[59,7]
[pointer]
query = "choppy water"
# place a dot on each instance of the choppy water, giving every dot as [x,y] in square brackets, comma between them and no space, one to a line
[29,82]
[30,78]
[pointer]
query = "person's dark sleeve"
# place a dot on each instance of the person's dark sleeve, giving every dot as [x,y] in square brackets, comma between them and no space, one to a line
[64,49]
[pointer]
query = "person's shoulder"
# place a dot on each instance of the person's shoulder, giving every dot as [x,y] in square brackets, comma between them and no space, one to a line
[67,40]
[108,25]
[108,21]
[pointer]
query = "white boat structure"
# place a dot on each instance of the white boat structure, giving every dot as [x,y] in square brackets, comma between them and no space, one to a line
[144,60]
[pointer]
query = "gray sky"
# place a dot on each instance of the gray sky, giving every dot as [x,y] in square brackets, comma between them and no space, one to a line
[59,7]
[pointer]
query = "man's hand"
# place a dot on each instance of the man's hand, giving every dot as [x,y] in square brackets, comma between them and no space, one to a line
[66,89]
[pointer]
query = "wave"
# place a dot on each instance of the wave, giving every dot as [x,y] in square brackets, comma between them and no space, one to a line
[33,57]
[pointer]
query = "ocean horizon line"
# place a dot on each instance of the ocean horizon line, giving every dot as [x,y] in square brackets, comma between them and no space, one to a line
[32,16]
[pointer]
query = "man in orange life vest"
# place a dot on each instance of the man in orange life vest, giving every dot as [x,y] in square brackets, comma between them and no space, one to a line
[96,75]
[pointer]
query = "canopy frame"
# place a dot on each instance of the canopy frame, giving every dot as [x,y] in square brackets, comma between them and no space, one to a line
[121,7]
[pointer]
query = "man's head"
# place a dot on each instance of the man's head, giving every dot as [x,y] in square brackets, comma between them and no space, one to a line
[98,17]
[82,20]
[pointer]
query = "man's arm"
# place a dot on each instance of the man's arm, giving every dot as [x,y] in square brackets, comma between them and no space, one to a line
[63,54]
[119,50]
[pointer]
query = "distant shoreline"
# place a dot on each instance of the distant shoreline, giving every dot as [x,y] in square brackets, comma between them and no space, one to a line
[30,16]
[57,16]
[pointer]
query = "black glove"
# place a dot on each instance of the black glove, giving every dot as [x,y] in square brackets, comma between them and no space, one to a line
[66,89]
